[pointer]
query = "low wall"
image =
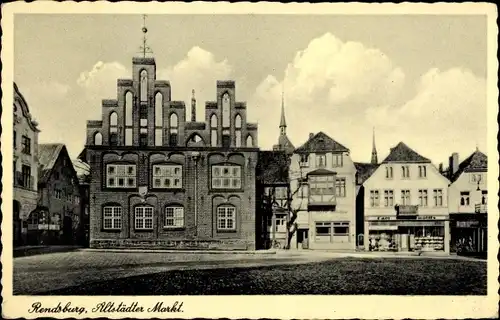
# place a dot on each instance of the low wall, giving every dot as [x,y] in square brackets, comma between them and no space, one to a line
[171,244]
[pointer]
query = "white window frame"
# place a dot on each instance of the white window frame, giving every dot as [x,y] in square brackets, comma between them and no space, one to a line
[423,197]
[126,172]
[234,177]
[174,217]
[405,197]
[405,174]
[374,198]
[113,214]
[337,160]
[438,197]
[303,157]
[388,198]
[318,160]
[143,215]
[341,187]
[422,171]
[226,218]
[389,174]
[167,172]
[465,196]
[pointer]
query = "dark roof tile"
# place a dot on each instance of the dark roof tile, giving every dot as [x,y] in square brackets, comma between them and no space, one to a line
[403,153]
[476,162]
[321,143]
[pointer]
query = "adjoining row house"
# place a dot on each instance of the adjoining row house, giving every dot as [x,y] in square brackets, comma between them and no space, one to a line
[46,192]
[25,167]
[161,180]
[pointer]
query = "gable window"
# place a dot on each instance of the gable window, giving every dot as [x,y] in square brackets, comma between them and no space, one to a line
[422,198]
[144,85]
[405,197]
[226,218]
[320,160]
[26,145]
[388,173]
[226,111]
[304,160]
[97,139]
[405,171]
[422,171]
[340,190]
[167,176]
[388,198]
[112,218]
[374,198]
[113,129]
[174,217]
[213,131]
[338,160]
[438,197]
[465,198]
[120,176]
[237,125]
[174,129]
[249,141]
[226,177]
[143,218]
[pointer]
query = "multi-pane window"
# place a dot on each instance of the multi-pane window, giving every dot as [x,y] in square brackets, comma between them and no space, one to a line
[174,217]
[422,171]
[422,197]
[320,160]
[226,218]
[281,193]
[438,197]
[120,176]
[332,231]
[465,198]
[304,160]
[388,198]
[388,173]
[405,171]
[374,198]
[322,185]
[167,176]
[112,218]
[144,218]
[26,176]
[226,177]
[338,160]
[340,187]
[405,197]
[26,145]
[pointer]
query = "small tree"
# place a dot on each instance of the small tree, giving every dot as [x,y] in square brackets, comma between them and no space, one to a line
[294,211]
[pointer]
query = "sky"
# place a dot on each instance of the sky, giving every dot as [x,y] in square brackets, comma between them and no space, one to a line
[420,79]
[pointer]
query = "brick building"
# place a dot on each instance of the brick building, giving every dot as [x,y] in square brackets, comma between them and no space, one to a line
[25,165]
[160,179]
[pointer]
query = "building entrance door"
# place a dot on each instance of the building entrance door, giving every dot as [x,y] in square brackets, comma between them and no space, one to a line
[303,239]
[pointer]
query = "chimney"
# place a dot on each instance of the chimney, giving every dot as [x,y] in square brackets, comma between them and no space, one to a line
[193,108]
[453,163]
[441,168]
[311,134]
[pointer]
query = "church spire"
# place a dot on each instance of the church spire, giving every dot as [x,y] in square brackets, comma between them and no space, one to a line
[374,150]
[145,49]
[283,121]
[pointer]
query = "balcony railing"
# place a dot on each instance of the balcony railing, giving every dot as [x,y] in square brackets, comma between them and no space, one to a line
[481,208]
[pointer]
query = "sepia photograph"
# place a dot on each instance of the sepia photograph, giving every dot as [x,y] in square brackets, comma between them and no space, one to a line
[166,155]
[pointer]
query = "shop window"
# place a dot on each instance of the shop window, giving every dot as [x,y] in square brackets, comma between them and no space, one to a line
[226,218]
[465,198]
[174,217]
[332,231]
[112,218]
[144,218]
[167,176]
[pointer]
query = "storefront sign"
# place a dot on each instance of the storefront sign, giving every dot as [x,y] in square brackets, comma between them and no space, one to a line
[467,224]
[431,217]
[410,223]
[382,218]
[405,210]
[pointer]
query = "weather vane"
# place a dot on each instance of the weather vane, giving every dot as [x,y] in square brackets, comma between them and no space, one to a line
[144,48]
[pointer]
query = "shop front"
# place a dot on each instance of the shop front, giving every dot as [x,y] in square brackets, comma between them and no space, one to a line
[397,233]
[469,233]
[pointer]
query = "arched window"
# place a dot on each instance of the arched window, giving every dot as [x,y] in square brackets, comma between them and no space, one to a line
[113,129]
[158,119]
[97,139]
[226,217]
[174,216]
[237,124]
[249,141]
[128,118]
[226,110]
[144,85]
[174,129]
[213,131]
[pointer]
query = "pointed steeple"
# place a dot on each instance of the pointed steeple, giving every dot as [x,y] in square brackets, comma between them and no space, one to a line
[283,121]
[374,150]
[193,107]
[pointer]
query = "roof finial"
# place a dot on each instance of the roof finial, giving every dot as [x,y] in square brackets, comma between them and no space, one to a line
[144,48]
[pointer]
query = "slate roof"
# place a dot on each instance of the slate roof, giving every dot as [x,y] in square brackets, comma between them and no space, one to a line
[320,172]
[47,157]
[476,162]
[364,171]
[82,171]
[321,143]
[272,168]
[402,153]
